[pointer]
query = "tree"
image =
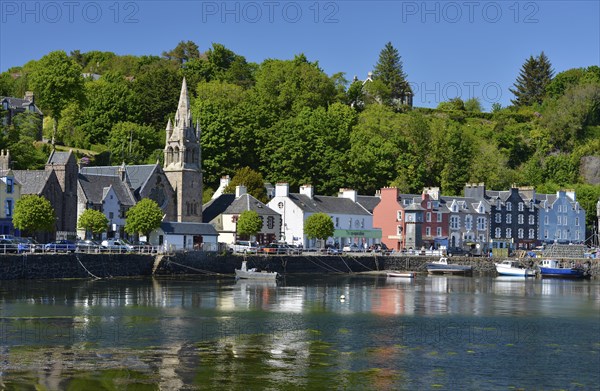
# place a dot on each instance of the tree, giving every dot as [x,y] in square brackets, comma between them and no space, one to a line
[143,218]
[389,70]
[318,226]
[253,180]
[530,87]
[56,81]
[133,143]
[249,223]
[183,52]
[34,214]
[92,221]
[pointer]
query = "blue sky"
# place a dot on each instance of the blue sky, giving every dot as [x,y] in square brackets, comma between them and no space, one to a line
[449,48]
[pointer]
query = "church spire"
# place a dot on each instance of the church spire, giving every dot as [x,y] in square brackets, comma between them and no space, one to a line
[183,109]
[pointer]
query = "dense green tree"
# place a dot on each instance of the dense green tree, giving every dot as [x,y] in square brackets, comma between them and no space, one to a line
[28,124]
[56,81]
[458,158]
[249,224]
[33,214]
[473,105]
[70,129]
[157,87]
[318,226]
[133,144]
[183,52]
[571,78]
[252,180]
[452,104]
[530,87]
[143,218]
[92,221]
[389,71]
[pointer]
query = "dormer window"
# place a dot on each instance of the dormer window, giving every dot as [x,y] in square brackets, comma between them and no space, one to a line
[9,185]
[32,108]
[455,208]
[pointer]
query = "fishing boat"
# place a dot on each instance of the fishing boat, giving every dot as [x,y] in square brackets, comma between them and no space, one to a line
[513,268]
[443,267]
[255,274]
[398,274]
[554,268]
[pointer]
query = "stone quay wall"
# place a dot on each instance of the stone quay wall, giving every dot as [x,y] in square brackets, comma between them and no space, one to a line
[78,265]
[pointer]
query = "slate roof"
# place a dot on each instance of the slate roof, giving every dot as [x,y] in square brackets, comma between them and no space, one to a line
[94,187]
[59,157]
[216,206]
[247,202]
[137,175]
[173,228]
[327,204]
[18,104]
[368,202]
[32,181]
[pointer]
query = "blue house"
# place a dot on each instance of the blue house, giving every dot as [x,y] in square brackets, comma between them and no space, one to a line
[561,218]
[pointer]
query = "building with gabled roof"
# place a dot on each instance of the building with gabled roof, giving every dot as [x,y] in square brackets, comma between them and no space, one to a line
[11,107]
[561,219]
[353,223]
[10,193]
[223,213]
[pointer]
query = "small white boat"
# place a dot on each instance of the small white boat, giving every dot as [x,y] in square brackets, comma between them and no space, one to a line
[513,268]
[443,267]
[398,274]
[254,274]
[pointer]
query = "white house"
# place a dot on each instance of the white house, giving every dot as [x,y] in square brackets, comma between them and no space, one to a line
[185,236]
[352,222]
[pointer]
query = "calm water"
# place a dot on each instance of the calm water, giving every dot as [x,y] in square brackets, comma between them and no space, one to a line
[335,332]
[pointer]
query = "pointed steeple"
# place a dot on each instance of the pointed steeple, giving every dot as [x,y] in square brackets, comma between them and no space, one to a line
[183,109]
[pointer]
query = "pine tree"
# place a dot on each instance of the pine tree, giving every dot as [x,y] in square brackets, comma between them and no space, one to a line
[530,87]
[389,71]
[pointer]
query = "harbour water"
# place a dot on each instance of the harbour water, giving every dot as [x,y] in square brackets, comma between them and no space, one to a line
[346,332]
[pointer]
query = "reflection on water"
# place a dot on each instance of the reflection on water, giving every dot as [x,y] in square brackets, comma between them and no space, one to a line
[340,332]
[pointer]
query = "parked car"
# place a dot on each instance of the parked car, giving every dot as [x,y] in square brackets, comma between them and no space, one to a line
[351,248]
[60,246]
[331,249]
[379,248]
[27,245]
[294,249]
[244,247]
[8,246]
[276,248]
[117,245]
[144,247]
[89,246]
[458,251]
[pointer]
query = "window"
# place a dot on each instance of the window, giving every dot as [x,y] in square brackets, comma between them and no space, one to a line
[455,208]
[5,105]
[337,222]
[546,220]
[545,234]
[8,208]
[399,230]
[508,233]
[428,217]
[521,207]
[427,231]
[399,215]
[454,222]
[9,185]
[531,233]
[406,201]
[438,231]
[577,221]
[531,219]
[469,222]
[270,222]
[498,218]
[509,206]
[565,222]
[531,204]
[428,204]
[111,215]
[557,234]
[498,233]
[362,223]
[439,217]
[498,205]
[508,219]
[521,219]
[481,223]
[520,233]
[558,220]
[577,236]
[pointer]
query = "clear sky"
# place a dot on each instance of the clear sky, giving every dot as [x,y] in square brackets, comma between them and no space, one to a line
[449,48]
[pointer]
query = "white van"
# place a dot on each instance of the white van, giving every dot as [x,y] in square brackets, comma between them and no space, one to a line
[244,247]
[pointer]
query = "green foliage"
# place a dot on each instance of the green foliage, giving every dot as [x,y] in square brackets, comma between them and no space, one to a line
[253,180]
[143,218]
[530,87]
[249,223]
[157,87]
[134,144]
[389,71]
[92,221]
[452,104]
[318,226]
[183,52]
[34,214]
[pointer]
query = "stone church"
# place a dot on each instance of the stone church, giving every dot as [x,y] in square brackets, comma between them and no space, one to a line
[176,186]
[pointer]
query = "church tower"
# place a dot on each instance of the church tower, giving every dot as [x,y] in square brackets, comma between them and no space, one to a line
[182,164]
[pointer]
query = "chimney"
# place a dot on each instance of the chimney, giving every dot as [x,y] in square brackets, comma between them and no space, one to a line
[29,96]
[348,193]
[240,191]
[475,190]
[434,192]
[571,194]
[307,190]
[282,190]
[224,181]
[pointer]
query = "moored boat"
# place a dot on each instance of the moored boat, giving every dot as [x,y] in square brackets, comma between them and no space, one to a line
[443,267]
[513,268]
[554,268]
[254,274]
